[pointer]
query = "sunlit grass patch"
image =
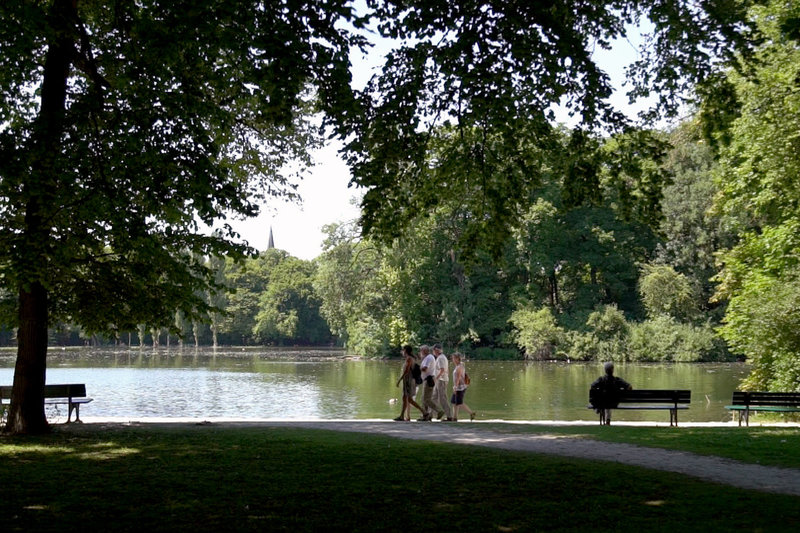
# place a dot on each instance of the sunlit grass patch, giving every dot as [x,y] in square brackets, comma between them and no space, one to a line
[776,446]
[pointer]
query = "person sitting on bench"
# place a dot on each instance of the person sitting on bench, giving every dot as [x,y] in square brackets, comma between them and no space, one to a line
[604,393]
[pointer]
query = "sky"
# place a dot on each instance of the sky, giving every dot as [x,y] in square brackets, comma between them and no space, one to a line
[326,197]
[297,229]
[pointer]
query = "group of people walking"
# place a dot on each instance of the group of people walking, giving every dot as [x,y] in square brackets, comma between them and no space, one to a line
[430,370]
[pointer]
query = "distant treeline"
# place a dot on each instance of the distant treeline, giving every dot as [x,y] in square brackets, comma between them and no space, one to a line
[621,270]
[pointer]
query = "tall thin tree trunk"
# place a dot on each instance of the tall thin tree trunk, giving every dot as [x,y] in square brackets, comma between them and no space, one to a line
[552,282]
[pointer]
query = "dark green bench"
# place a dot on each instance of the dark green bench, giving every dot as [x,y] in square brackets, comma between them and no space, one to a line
[776,402]
[73,395]
[658,399]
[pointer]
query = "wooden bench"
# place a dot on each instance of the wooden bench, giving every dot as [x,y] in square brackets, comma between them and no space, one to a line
[72,395]
[657,399]
[776,402]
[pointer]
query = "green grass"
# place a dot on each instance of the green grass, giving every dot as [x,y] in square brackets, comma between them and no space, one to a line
[774,446]
[211,478]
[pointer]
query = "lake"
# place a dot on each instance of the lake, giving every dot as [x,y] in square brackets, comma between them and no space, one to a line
[248,383]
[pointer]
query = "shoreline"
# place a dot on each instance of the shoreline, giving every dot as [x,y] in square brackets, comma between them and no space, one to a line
[350,421]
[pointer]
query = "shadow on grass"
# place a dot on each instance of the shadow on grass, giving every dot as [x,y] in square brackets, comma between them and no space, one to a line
[256,479]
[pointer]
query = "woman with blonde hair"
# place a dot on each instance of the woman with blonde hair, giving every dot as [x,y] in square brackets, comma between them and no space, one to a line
[459,388]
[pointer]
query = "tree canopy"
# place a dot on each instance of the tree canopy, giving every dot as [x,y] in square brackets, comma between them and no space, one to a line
[496,71]
[757,178]
[123,125]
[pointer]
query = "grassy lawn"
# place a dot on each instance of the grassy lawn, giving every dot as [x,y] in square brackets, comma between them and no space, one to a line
[210,478]
[774,446]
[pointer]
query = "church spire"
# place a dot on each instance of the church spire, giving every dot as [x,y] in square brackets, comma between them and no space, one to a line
[271,243]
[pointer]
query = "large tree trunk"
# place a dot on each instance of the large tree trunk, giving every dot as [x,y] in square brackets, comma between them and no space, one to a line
[26,413]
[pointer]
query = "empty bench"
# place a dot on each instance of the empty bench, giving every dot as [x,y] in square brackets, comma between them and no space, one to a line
[775,402]
[73,395]
[653,399]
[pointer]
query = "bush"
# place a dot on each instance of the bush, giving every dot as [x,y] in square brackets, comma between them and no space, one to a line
[664,339]
[581,346]
[368,337]
[536,332]
[667,292]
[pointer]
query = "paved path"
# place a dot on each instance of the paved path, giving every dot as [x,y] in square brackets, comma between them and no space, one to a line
[716,469]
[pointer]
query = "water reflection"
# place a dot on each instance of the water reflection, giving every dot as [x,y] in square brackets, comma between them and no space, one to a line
[258,383]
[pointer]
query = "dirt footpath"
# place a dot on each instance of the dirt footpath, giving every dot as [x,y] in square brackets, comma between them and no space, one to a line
[716,469]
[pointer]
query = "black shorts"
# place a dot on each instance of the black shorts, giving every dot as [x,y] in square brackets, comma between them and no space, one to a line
[457,397]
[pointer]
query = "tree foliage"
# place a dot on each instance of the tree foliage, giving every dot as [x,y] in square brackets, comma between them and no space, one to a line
[692,230]
[757,178]
[124,125]
[496,72]
[666,292]
[537,332]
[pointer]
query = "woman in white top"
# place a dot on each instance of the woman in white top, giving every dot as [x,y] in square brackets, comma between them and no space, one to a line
[459,388]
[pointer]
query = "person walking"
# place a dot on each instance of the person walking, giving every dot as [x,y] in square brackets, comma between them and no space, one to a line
[409,385]
[604,393]
[460,388]
[428,367]
[441,378]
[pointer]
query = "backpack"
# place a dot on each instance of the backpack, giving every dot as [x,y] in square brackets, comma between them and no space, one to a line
[604,393]
[416,373]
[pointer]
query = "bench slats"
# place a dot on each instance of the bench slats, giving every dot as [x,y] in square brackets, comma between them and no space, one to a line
[656,396]
[652,407]
[766,398]
[68,390]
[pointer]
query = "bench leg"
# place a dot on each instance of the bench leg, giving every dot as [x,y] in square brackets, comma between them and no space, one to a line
[74,407]
[673,417]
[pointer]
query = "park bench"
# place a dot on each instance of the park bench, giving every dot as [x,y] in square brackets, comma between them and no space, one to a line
[73,395]
[776,402]
[657,399]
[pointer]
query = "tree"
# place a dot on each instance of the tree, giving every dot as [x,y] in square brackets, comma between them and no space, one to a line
[536,332]
[758,182]
[288,308]
[579,243]
[693,232]
[666,292]
[495,72]
[355,288]
[121,127]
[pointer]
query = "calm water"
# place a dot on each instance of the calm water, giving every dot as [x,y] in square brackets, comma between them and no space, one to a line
[256,384]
